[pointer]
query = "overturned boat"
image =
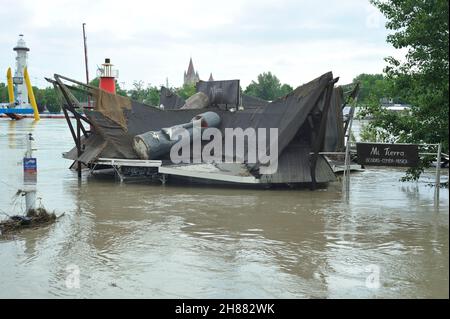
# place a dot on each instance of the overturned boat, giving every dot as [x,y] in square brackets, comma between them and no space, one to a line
[137,140]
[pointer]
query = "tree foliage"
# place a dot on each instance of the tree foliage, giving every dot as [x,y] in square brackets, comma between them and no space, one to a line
[186,91]
[3,93]
[421,80]
[144,94]
[47,98]
[267,87]
[373,87]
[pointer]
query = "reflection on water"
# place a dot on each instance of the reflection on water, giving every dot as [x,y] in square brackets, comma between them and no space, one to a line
[143,240]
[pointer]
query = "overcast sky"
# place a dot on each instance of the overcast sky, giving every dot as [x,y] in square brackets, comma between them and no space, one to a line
[152,40]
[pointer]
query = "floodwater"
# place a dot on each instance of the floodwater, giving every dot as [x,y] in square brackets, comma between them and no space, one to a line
[153,241]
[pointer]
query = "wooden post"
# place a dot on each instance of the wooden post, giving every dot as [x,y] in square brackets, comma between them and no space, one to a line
[86,62]
[79,147]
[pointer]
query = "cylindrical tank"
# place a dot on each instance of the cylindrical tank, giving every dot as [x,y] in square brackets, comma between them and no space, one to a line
[154,144]
[208,119]
[108,84]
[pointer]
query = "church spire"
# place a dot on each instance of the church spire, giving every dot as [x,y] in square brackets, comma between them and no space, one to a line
[191,70]
[190,76]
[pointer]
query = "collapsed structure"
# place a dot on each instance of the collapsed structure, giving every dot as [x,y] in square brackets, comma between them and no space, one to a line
[309,121]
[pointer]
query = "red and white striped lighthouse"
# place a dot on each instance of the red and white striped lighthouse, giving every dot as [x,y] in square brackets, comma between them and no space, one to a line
[108,77]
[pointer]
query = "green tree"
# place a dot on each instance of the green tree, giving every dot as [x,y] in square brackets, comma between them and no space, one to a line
[52,102]
[186,91]
[267,87]
[285,89]
[39,96]
[47,99]
[152,96]
[4,98]
[137,92]
[144,94]
[372,88]
[421,27]
[95,82]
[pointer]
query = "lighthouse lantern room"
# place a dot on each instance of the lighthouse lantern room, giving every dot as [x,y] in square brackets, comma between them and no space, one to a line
[107,76]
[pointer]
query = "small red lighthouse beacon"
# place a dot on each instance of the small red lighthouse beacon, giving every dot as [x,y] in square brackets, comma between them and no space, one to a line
[107,77]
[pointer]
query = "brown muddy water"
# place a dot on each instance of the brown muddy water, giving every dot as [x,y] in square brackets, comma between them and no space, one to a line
[153,241]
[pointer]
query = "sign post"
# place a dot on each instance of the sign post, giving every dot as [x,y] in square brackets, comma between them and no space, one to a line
[437,185]
[348,130]
[29,176]
[398,155]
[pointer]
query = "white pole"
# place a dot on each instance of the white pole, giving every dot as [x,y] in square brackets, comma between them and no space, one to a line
[438,176]
[29,152]
[30,187]
[346,181]
[30,199]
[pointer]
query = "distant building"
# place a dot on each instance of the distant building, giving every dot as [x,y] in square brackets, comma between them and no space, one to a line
[191,77]
[389,104]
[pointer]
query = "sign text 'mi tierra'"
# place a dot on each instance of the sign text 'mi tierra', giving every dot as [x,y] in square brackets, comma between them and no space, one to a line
[406,155]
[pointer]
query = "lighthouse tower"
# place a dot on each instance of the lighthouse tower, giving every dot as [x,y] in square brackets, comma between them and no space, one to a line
[108,77]
[21,92]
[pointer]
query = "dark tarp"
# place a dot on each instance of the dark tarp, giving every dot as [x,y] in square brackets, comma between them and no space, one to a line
[95,146]
[252,101]
[169,99]
[334,136]
[221,92]
[294,167]
[289,114]
[172,101]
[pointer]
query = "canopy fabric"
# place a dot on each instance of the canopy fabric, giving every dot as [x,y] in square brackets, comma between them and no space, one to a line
[118,119]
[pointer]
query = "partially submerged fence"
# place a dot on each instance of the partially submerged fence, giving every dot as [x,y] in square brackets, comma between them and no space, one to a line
[396,155]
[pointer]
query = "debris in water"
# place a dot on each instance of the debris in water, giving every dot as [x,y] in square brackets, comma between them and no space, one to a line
[34,218]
